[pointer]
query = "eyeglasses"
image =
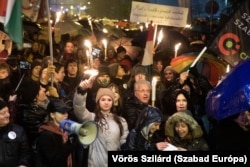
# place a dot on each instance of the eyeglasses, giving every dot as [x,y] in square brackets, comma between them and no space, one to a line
[143,91]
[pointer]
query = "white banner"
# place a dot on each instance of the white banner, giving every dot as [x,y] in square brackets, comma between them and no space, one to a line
[159,14]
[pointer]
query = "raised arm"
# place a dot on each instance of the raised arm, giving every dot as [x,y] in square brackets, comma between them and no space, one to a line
[79,103]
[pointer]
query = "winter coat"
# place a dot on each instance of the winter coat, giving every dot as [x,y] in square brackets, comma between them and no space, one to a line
[31,117]
[51,149]
[14,147]
[140,138]
[132,109]
[194,141]
[108,138]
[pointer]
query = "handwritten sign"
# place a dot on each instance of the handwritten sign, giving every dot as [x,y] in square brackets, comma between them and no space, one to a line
[159,14]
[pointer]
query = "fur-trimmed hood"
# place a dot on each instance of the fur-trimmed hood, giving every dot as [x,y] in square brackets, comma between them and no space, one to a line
[195,128]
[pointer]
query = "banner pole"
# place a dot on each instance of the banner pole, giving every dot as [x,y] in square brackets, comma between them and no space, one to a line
[50,39]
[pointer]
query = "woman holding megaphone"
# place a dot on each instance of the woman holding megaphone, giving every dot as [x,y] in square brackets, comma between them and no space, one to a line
[53,146]
[112,129]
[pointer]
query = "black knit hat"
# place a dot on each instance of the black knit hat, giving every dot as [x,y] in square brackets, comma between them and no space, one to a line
[29,91]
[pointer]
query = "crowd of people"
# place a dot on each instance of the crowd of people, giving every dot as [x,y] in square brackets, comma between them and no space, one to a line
[37,93]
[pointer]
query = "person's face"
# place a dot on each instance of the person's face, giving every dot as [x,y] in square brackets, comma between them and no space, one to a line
[110,53]
[60,75]
[35,46]
[105,103]
[4,116]
[41,96]
[96,63]
[154,127]
[142,93]
[121,55]
[3,73]
[72,69]
[103,80]
[159,65]
[69,48]
[181,103]
[140,77]
[58,117]
[169,75]
[36,71]
[181,129]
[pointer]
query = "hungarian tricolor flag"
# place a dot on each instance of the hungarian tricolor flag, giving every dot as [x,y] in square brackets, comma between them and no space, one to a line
[147,59]
[232,42]
[10,16]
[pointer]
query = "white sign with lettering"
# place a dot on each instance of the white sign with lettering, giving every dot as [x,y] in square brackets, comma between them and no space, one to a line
[159,14]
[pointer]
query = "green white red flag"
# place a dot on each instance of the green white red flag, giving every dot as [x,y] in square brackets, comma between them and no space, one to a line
[11,17]
[149,48]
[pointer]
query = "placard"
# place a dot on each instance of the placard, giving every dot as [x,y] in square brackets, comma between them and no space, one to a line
[159,14]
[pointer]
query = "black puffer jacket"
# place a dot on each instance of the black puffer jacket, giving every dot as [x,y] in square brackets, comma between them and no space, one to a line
[132,109]
[31,117]
[14,148]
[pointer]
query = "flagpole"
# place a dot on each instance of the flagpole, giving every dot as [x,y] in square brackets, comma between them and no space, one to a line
[155,31]
[50,39]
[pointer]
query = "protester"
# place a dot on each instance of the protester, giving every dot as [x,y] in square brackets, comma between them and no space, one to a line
[138,72]
[68,52]
[136,103]
[111,56]
[33,71]
[169,82]
[33,54]
[58,77]
[15,150]
[232,133]
[112,129]
[102,80]
[157,68]
[53,146]
[72,77]
[118,100]
[32,109]
[185,133]
[6,87]
[118,77]
[140,138]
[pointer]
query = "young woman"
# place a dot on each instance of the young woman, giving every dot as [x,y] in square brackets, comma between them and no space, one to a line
[113,129]
[185,133]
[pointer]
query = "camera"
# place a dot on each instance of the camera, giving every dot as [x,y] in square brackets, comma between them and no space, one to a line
[96,52]
[24,65]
